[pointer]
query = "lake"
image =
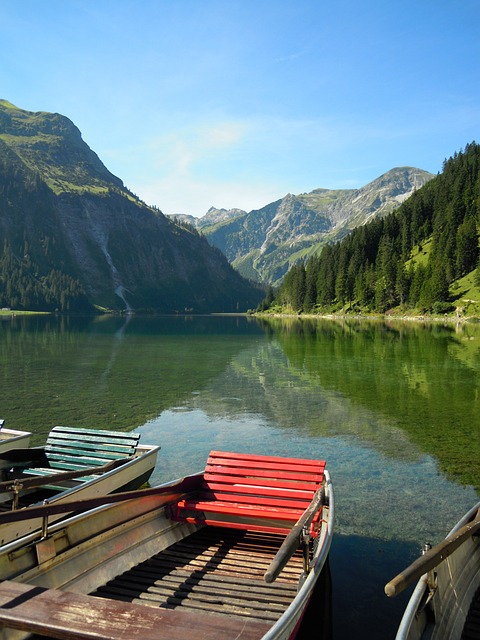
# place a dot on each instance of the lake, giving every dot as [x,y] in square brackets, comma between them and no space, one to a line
[392,406]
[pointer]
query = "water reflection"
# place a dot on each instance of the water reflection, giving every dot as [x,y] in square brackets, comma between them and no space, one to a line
[109,371]
[393,407]
[423,379]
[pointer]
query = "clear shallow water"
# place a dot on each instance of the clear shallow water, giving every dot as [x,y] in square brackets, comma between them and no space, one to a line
[393,409]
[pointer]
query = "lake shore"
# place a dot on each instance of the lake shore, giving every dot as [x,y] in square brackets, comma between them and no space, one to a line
[450,319]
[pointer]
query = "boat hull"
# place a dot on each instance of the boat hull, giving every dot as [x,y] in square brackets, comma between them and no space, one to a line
[457,580]
[13,439]
[131,475]
[84,553]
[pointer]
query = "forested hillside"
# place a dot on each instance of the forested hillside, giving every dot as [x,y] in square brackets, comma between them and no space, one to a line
[34,270]
[411,259]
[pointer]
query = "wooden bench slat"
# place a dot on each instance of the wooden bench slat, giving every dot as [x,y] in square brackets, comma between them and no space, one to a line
[258,525]
[220,463]
[52,472]
[85,461]
[265,491]
[89,446]
[226,506]
[62,614]
[281,479]
[103,434]
[252,511]
[268,501]
[77,464]
[256,457]
[71,454]
[265,482]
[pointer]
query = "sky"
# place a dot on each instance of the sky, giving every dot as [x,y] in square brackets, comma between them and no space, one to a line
[224,103]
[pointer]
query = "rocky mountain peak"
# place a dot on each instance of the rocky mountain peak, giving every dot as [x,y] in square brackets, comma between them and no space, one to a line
[269,240]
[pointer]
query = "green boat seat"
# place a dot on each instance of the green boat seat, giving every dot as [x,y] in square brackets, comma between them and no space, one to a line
[74,449]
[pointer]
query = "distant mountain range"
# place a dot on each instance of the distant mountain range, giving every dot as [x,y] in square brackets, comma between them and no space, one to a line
[73,237]
[264,243]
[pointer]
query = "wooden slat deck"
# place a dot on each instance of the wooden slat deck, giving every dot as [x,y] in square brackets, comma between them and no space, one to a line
[61,615]
[209,585]
[214,571]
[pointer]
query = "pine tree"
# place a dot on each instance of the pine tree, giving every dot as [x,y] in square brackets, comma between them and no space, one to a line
[467,247]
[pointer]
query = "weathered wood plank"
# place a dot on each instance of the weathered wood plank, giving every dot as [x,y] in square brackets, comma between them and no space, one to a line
[218,580]
[259,594]
[69,616]
[205,571]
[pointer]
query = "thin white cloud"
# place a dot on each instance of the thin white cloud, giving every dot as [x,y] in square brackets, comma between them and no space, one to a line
[177,193]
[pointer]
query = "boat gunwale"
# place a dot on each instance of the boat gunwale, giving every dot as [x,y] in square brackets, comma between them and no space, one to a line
[290,619]
[299,603]
[419,593]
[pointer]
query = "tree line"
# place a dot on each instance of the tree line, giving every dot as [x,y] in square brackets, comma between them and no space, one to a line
[407,259]
[24,287]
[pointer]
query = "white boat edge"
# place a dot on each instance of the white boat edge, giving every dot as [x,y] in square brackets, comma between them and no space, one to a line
[412,624]
[130,475]
[14,439]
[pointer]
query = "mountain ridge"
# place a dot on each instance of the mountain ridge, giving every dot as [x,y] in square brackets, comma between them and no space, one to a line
[264,243]
[62,211]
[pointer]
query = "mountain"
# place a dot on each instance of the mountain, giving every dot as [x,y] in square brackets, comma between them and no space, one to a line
[73,236]
[421,258]
[264,243]
[212,218]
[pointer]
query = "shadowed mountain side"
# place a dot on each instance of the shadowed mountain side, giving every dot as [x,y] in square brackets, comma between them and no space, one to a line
[67,225]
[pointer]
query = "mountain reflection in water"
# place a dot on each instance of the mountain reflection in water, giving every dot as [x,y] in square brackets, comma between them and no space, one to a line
[393,408]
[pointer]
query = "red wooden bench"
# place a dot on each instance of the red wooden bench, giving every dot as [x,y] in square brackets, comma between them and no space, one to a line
[263,493]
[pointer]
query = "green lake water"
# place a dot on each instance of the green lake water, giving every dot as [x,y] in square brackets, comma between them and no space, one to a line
[393,407]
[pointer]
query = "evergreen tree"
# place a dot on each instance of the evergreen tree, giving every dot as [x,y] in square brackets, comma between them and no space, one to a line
[369,264]
[467,247]
[326,277]
[311,277]
[477,275]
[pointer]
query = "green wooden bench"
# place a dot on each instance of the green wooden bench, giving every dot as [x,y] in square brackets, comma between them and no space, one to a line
[74,449]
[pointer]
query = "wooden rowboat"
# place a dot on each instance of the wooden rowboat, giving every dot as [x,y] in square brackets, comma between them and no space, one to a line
[232,552]
[12,439]
[73,464]
[446,601]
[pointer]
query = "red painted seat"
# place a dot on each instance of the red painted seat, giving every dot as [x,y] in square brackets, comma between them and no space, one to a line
[244,491]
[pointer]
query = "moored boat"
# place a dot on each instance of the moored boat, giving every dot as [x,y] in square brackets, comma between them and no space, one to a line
[232,552]
[12,438]
[74,463]
[446,599]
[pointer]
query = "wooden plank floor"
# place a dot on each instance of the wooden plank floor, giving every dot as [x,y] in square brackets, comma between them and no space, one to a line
[215,570]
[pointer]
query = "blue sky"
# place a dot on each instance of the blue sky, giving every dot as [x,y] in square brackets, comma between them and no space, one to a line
[226,103]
